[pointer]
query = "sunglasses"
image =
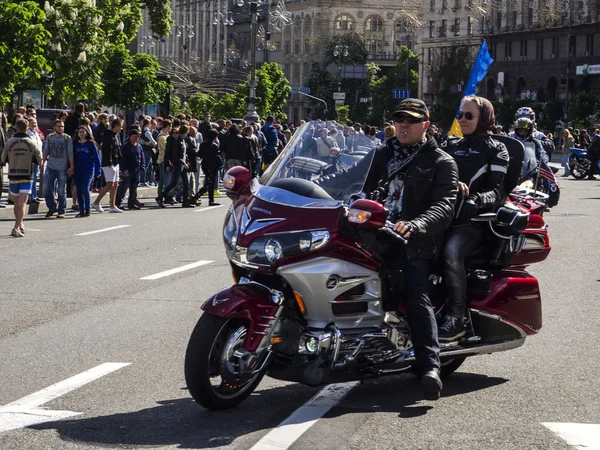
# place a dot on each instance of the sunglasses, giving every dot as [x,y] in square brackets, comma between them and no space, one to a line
[409,119]
[466,115]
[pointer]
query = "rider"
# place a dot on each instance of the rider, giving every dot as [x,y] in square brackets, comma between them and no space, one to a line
[482,163]
[547,143]
[534,151]
[420,189]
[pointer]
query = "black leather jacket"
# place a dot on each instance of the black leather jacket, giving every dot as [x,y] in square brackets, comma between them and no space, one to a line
[111,149]
[430,191]
[482,163]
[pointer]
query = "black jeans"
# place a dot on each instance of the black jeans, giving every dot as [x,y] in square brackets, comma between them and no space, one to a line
[130,182]
[178,172]
[419,312]
[594,163]
[210,176]
[461,242]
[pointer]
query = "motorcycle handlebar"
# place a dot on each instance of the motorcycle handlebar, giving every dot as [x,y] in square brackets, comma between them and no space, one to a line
[389,230]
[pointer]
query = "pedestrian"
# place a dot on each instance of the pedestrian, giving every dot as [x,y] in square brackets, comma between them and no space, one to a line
[111,155]
[162,146]
[192,155]
[19,152]
[211,163]
[2,143]
[270,152]
[12,129]
[150,148]
[176,160]
[594,154]
[72,121]
[35,168]
[58,160]
[568,143]
[132,163]
[87,164]
[254,146]
[237,149]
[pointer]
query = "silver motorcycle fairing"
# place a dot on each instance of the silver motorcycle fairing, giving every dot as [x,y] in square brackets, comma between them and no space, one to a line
[320,280]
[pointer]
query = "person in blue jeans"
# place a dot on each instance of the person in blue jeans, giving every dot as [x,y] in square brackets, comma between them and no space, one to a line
[87,164]
[58,159]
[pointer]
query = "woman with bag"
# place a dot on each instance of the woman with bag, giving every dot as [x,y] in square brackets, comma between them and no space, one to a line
[211,164]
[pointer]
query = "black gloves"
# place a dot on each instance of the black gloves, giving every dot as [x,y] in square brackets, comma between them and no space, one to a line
[470,206]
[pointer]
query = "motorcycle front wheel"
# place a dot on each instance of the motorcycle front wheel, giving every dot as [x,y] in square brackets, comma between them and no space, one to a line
[212,370]
[578,168]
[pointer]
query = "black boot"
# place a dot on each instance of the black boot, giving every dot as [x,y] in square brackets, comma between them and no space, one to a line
[452,329]
[431,383]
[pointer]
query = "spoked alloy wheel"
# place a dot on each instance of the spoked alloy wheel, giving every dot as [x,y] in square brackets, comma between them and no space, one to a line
[213,369]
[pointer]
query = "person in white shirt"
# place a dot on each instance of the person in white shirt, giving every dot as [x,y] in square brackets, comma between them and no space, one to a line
[35,169]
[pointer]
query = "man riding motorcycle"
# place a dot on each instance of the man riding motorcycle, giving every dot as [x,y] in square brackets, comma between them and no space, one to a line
[547,143]
[534,152]
[417,182]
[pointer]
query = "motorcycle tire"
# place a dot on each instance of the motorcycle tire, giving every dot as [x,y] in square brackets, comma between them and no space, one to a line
[208,332]
[578,170]
[450,366]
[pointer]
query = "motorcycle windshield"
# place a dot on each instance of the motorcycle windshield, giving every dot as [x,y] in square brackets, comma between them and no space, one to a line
[317,153]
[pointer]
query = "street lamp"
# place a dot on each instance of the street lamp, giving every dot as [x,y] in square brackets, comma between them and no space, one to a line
[338,52]
[566,13]
[189,33]
[147,41]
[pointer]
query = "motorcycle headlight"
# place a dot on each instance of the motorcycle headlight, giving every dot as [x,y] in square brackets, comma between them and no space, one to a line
[267,250]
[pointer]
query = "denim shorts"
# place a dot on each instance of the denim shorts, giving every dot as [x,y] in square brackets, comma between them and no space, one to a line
[20,187]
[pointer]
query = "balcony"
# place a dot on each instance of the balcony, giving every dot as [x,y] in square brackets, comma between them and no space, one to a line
[382,58]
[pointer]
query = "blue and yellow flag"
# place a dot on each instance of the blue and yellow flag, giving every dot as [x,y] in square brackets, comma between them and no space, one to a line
[480,67]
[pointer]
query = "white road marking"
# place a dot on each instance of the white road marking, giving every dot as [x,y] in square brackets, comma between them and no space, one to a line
[166,273]
[26,411]
[207,208]
[583,436]
[103,230]
[288,431]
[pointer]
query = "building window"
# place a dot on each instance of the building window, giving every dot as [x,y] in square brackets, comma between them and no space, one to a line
[554,47]
[539,49]
[400,27]
[344,23]
[429,56]
[514,20]
[288,47]
[493,49]
[457,4]
[589,44]
[530,17]
[457,27]
[523,51]
[508,49]
[572,46]
[498,22]
[306,70]
[469,26]
[445,4]
[374,46]
[296,47]
[287,72]
[443,28]
[374,23]
[296,75]
[432,5]
[432,28]
[306,47]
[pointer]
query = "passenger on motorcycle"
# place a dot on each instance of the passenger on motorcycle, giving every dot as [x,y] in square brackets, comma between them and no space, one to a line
[482,163]
[534,151]
[547,143]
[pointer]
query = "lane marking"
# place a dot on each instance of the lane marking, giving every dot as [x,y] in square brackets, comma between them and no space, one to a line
[26,411]
[166,273]
[288,431]
[102,230]
[583,436]
[207,208]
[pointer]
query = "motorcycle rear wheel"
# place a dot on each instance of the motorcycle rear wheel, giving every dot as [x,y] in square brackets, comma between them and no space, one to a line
[208,370]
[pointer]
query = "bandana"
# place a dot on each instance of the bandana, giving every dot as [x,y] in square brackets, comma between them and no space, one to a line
[396,169]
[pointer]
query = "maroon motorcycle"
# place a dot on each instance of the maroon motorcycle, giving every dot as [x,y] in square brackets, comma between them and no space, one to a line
[314,303]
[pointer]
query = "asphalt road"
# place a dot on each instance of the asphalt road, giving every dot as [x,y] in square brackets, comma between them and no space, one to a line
[69,303]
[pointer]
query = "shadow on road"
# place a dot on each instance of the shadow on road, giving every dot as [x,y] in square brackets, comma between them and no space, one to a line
[183,423]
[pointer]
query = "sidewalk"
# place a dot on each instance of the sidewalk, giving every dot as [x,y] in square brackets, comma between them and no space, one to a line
[145,195]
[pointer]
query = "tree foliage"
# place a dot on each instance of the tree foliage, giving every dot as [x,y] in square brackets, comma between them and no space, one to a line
[584,108]
[405,75]
[22,46]
[131,81]
[199,104]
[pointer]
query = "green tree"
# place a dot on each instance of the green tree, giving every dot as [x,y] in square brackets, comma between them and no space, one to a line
[199,104]
[453,72]
[131,81]
[320,84]
[343,114]
[404,75]
[22,42]
[583,109]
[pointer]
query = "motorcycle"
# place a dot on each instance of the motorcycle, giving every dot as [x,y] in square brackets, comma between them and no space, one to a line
[314,303]
[580,163]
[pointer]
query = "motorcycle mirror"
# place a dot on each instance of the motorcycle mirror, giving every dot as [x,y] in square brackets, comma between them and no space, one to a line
[235,179]
[367,214]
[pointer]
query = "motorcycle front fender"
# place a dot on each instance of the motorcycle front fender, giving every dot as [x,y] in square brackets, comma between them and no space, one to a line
[250,302]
